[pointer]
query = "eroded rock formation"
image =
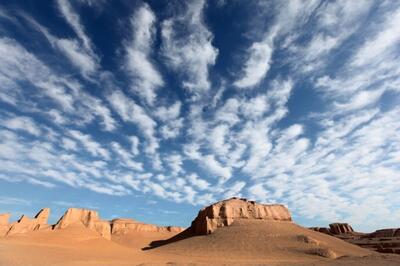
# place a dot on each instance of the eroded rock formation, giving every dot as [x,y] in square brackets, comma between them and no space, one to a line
[124,226]
[90,219]
[26,224]
[340,228]
[87,218]
[383,240]
[4,224]
[223,213]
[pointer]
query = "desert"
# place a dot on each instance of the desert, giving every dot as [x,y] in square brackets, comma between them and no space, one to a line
[230,232]
[199,132]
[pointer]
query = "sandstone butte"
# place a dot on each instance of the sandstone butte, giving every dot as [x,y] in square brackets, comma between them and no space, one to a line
[78,217]
[225,212]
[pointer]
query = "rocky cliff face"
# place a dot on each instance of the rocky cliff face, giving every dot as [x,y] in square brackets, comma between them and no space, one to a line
[87,218]
[340,228]
[223,213]
[26,224]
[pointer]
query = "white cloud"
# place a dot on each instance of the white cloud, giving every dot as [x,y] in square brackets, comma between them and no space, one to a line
[131,112]
[74,21]
[257,64]
[22,123]
[384,42]
[146,78]
[126,158]
[198,182]
[92,146]
[191,52]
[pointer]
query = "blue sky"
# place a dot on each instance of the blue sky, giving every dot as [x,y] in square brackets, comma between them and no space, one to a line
[153,109]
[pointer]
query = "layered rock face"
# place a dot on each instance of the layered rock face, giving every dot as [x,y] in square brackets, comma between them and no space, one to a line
[223,213]
[340,228]
[87,218]
[26,224]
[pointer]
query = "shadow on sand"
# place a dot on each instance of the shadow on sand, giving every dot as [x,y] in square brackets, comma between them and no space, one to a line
[181,236]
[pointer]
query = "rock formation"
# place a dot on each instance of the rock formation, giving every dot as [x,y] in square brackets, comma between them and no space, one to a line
[223,213]
[391,232]
[87,218]
[340,228]
[124,226]
[4,225]
[26,224]
[384,240]
[90,219]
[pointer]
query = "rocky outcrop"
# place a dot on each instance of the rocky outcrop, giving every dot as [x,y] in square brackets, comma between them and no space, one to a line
[26,224]
[124,226]
[391,232]
[4,225]
[383,241]
[79,217]
[223,213]
[43,216]
[88,218]
[340,228]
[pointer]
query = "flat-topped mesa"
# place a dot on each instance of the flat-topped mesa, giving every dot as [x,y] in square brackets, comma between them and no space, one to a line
[124,226]
[340,228]
[26,224]
[223,213]
[87,218]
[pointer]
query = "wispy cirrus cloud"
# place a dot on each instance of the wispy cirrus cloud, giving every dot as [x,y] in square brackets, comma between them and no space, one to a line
[146,78]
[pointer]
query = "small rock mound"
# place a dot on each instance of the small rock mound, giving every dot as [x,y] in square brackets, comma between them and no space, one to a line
[223,213]
[323,252]
[307,239]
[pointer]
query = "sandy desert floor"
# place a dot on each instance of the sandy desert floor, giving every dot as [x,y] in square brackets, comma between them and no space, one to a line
[242,243]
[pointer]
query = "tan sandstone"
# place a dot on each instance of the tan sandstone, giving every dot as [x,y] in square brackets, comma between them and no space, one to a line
[124,226]
[223,213]
[88,218]
[26,224]
[4,225]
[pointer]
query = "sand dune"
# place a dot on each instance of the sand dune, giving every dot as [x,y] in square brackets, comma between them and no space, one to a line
[255,240]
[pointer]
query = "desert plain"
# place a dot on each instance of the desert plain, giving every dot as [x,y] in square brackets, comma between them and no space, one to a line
[229,232]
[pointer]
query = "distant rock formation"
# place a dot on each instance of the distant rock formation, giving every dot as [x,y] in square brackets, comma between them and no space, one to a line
[124,226]
[340,228]
[90,219]
[391,232]
[26,224]
[4,225]
[383,240]
[223,213]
